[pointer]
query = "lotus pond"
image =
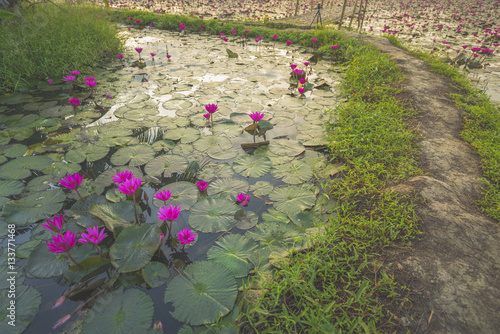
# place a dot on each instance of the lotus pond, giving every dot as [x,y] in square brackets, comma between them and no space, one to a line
[148,116]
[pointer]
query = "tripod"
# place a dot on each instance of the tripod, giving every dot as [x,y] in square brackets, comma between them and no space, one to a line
[317,17]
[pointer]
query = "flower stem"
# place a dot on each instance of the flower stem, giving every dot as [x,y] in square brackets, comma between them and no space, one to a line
[78,193]
[135,209]
[71,258]
[254,131]
[99,250]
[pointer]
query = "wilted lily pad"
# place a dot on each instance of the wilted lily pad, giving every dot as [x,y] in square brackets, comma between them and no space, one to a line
[213,215]
[252,165]
[135,155]
[20,168]
[233,252]
[134,247]
[129,311]
[206,292]
[34,207]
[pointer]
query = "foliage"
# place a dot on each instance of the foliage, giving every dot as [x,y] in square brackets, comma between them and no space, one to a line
[48,42]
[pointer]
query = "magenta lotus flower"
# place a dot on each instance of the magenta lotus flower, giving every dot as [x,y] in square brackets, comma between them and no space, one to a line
[306,63]
[138,21]
[186,236]
[91,83]
[247,31]
[162,237]
[54,225]
[202,185]
[72,181]
[50,81]
[256,40]
[275,37]
[152,54]
[62,243]
[93,235]
[293,66]
[75,73]
[211,108]
[120,56]
[202,26]
[226,39]
[207,116]
[121,177]
[334,47]
[233,32]
[256,116]
[139,50]
[242,199]
[130,186]
[301,90]
[163,195]
[314,40]
[130,18]
[302,80]
[109,96]
[288,43]
[169,213]
[151,25]
[68,78]
[168,56]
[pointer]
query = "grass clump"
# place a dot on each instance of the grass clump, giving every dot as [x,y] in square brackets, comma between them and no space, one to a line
[481,129]
[48,42]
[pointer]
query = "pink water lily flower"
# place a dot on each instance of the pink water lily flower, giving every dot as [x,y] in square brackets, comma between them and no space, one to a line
[186,236]
[301,90]
[120,56]
[72,181]
[62,243]
[68,78]
[139,50]
[75,73]
[256,116]
[288,43]
[93,235]
[275,37]
[242,199]
[91,83]
[152,54]
[202,185]
[302,80]
[306,63]
[207,116]
[130,18]
[293,66]
[130,186]
[211,108]
[50,81]
[138,21]
[163,195]
[334,47]
[54,225]
[169,213]
[123,176]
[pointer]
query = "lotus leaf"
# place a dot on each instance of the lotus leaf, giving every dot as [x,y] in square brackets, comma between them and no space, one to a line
[206,292]
[213,215]
[212,170]
[252,165]
[183,149]
[274,216]
[90,153]
[60,169]
[28,300]
[88,267]
[233,252]
[20,168]
[33,207]
[114,214]
[165,145]
[43,264]
[273,234]
[115,196]
[261,188]
[216,152]
[286,147]
[184,194]
[185,135]
[135,155]
[10,187]
[25,249]
[293,199]
[166,165]
[295,172]
[155,274]
[129,311]
[230,129]
[228,186]
[208,142]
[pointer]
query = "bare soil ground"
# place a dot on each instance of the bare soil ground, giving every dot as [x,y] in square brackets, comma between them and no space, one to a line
[453,269]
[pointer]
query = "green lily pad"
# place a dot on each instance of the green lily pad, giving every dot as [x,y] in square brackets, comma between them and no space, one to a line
[10,187]
[293,199]
[134,247]
[286,147]
[44,264]
[274,216]
[218,153]
[207,142]
[88,267]
[185,135]
[213,215]
[233,252]
[25,249]
[184,194]
[228,186]
[80,211]
[114,214]
[252,165]
[261,188]
[273,234]
[61,169]
[129,311]
[230,129]
[34,207]
[12,151]
[166,165]
[90,153]
[215,170]
[164,144]
[136,155]
[206,292]
[246,219]
[20,168]
[294,172]
[183,149]
[155,274]
[28,300]
[115,196]
[275,159]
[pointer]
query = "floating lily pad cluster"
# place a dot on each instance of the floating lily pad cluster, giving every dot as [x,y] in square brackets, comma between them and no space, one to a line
[161,136]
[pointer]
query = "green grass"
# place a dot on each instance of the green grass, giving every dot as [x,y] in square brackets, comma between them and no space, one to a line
[481,129]
[48,42]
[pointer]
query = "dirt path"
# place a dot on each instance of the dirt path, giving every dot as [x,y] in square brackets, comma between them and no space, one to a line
[453,270]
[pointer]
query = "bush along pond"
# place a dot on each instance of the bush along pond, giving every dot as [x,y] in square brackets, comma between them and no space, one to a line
[145,195]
